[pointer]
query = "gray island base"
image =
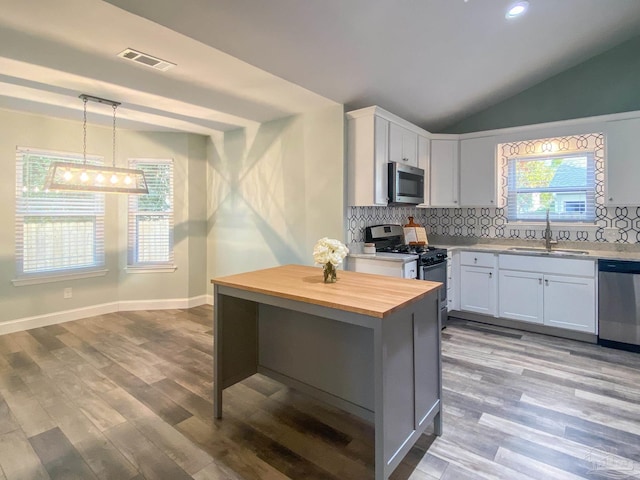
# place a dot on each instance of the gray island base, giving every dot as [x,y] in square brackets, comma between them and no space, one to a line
[367,344]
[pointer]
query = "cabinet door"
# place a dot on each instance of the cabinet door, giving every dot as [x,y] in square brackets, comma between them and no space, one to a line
[378,267]
[443,185]
[424,150]
[410,270]
[521,296]
[477,290]
[570,302]
[403,145]
[381,159]
[622,162]
[478,172]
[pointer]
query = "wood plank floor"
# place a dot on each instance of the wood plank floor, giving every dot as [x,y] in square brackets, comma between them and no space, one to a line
[129,396]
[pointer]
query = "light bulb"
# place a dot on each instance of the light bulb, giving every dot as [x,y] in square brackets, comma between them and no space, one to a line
[84,177]
[114,178]
[99,178]
[517,9]
[127,180]
[67,175]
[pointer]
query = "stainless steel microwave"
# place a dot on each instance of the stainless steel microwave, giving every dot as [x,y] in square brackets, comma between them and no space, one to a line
[406,184]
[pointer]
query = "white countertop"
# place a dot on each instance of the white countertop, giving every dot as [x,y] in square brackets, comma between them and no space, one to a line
[387,257]
[507,249]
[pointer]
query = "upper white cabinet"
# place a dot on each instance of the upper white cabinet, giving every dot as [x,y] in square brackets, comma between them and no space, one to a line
[424,152]
[367,158]
[444,172]
[622,162]
[478,172]
[374,138]
[403,145]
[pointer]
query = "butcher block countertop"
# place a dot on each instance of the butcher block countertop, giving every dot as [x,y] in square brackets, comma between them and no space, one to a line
[367,294]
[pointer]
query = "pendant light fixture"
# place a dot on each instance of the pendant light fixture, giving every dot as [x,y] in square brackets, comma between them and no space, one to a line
[68,176]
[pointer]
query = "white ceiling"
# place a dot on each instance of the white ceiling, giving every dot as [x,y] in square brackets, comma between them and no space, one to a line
[432,62]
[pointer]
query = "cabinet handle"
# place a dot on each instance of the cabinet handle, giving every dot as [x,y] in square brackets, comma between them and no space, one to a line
[490,274]
[475,260]
[539,281]
[490,201]
[455,201]
[611,199]
[546,282]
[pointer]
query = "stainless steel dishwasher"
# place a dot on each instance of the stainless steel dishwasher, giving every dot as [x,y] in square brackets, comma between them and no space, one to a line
[619,304]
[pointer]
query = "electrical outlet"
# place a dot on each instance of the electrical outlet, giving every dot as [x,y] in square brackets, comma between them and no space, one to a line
[68,292]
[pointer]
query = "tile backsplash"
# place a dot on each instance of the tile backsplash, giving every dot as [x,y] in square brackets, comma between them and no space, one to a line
[613,224]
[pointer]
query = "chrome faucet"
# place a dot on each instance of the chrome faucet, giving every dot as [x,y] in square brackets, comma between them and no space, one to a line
[547,235]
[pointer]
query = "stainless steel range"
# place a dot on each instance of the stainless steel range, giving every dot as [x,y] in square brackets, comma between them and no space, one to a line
[432,262]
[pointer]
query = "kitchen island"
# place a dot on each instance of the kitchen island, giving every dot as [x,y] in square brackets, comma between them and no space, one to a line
[368,344]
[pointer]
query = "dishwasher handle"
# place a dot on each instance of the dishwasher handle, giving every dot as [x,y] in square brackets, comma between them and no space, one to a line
[619,266]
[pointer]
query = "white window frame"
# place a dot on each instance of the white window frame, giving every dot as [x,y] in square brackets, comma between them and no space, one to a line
[134,262]
[590,191]
[63,205]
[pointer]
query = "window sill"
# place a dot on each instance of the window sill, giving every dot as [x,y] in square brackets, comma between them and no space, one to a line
[159,269]
[60,277]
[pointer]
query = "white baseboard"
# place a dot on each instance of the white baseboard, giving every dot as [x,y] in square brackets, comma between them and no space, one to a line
[209,299]
[162,304]
[27,323]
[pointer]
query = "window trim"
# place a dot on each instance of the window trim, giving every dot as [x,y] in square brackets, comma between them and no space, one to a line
[60,274]
[589,191]
[150,267]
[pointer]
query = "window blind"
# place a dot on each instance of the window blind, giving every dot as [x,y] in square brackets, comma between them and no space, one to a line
[55,231]
[150,224]
[563,184]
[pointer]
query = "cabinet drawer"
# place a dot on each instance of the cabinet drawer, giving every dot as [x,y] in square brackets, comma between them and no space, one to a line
[558,266]
[478,259]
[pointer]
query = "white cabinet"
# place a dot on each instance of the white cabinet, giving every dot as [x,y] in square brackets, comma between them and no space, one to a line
[478,172]
[403,145]
[521,296]
[384,267]
[424,151]
[374,138]
[569,302]
[478,282]
[622,162]
[552,291]
[443,184]
[453,279]
[367,158]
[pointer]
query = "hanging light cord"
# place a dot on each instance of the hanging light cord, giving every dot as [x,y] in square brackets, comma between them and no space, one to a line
[84,132]
[114,135]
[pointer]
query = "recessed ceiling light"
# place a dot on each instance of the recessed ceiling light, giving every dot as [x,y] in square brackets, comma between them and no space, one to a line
[517,9]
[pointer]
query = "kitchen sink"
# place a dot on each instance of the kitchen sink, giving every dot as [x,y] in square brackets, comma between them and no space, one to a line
[544,251]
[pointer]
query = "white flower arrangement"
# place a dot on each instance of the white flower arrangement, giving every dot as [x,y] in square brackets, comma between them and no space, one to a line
[329,250]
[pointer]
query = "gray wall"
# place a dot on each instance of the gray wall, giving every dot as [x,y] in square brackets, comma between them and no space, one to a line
[274,190]
[607,83]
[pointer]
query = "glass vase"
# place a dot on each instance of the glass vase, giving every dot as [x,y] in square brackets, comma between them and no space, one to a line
[330,273]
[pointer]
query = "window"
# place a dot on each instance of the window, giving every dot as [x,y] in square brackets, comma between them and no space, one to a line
[562,184]
[56,232]
[151,216]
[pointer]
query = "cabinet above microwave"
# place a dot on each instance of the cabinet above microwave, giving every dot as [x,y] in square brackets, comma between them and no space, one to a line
[375,138]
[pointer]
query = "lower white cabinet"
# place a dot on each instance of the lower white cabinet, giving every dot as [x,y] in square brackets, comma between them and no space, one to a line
[521,296]
[569,302]
[384,267]
[478,282]
[548,296]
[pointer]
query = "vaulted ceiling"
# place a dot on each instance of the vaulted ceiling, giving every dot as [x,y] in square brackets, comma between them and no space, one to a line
[432,62]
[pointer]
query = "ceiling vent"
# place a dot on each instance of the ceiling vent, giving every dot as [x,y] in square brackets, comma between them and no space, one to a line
[145,59]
